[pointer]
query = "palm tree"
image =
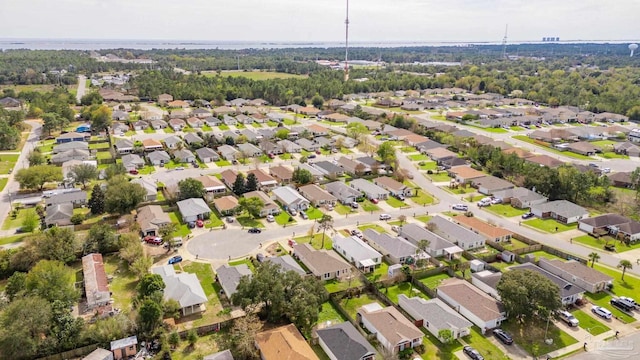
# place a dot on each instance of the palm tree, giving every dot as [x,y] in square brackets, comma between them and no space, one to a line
[624,264]
[325,223]
[402,219]
[594,256]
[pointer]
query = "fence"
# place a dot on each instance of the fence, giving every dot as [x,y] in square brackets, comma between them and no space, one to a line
[72,354]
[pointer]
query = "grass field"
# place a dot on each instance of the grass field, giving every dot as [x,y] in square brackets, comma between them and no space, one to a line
[403,288]
[284,218]
[336,285]
[393,202]
[440,177]
[593,326]
[246,221]
[7,162]
[549,225]
[314,213]
[423,198]
[531,336]
[369,206]
[316,241]
[256,75]
[424,218]
[419,157]
[599,243]
[10,223]
[505,210]
[182,230]
[329,313]
[3,183]
[433,281]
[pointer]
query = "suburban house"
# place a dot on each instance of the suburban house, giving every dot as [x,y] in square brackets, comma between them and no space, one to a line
[520,197]
[72,136]
[177,124]
[308,145]
[478,307]
[224,110]
[491,232]
[76,145]
[193,209]
[394,331]
[140,125]
[465,174]
[69,166]
[212,185]
[342,192]
[212,121]
[440,154]
[151,218]
[149,186]
[438,246]
[75,198]
[317,195]
[229,277]
[289,146]
[184,288]
[286,263]
[124,146]
[74,154]
[228,152]
[151,145]
[394,187]
[172,142]
[395,249]
[195,122]
[464,238]
[132,162]
[563,211]
[158,124]
[369,189]
[490,184]
[164,99]
[569,293]
[353,167]
[621,179]
[184,156]
[344,342]
[317,174]
[356,251]
[96,285]
[487,281]
[627,148]
[583,148]
[229,177]
[435,316]
[265,181]
[282,343]
[611,224]
[124,348]
[269,208]
[323,264]
[545,160]
[578,274]
[58,215]
[290,198]
[249,150]
[157,158]
[226,205]
[207,155]
[328,169]
[281,173]
[191,138]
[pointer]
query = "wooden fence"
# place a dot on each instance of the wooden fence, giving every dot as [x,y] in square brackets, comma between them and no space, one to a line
[72,354]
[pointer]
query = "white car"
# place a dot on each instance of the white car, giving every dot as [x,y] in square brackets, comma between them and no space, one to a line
[385,217]
[602,312]
[270,218]
[606,170]
[568,318]
[460,207]
[496,201]
[628,301]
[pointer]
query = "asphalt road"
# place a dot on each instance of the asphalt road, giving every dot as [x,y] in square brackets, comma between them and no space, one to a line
[627,347]
[82,87]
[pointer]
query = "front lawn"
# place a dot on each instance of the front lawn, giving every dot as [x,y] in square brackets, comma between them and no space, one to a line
[613,155]
[316,241]
[505,210]
[393,202]
[223,127]
[530,336]
[375,227]
[516,128]
[602,299]
[423,198]
[256,125]
[286,156]
[419,157]
[7,162]
[245,261]
[439,177]
[222,163]
[10,223]
[182,229]
[149,130]
[247,221]
[550,225]
[427,165]
[314,213]
[587,322]
[343,209]
[284,218]
[214,220]
[424,218]
[460,190]
[403,288]
[352,305]
[147,170]
[408,149]
[484,346]
[433,281]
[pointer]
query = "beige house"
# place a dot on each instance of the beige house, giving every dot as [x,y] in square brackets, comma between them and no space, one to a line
[323,264]
[317,195]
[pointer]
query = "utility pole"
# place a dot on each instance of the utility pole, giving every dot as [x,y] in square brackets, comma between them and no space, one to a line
[504,42]
[346,47]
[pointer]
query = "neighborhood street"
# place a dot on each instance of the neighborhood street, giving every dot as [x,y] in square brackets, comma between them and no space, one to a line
[82,87]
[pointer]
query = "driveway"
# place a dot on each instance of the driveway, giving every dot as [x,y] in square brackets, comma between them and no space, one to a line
[82,87]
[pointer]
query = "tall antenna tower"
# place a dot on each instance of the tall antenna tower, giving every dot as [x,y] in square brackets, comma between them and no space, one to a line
[346,46]
[504,42]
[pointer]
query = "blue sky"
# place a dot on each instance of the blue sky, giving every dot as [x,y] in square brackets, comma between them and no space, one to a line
[321,20]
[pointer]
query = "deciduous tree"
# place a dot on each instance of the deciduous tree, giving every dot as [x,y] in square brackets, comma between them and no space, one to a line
[123,196]
[36,176]
[302,176]
[526,293]
[191,188]
[252,205]
[83,173]
[52,281]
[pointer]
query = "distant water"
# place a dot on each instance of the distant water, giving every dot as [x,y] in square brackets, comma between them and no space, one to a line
[85,44]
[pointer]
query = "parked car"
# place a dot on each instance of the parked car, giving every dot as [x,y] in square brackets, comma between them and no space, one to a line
[527,215]
[472,353]
[133,172]
[395,228]
[356,232]
[354,205]
[629,301]
[154,240]
[177,242]
[482,203]
[260,257]
[606,170]
[270,218]
[191,224]
[293,212]
[385,217]
[174,260]
[271,156]
[230,219]
[199,223]
[304,215]
[330,207]
[568,318]
[195,165]
[460,207]
[503,336]
[602,312]
[254,231]
[399,197]
[180,168]
[496,201]
[311,156]
[375,201]
[620,305]
[318,152]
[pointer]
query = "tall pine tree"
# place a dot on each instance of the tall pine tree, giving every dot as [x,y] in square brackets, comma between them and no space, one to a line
[96,202]
[252,183]
[239,185]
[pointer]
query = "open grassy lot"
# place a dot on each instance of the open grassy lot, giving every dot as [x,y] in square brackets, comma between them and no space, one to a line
[433,281]
[530,336]
[369,206]
[123,285]
[256,75]
[418,157]
[403,288]
[484,346]
[570,154]
[599,243]
[591,325]
[315,241]
[492,130]
[7,162]
[352,305]
[393,202]
[423,198]
[439,177]
[549,225]
[10,223]
[375,227]
[505,210]
[12,239]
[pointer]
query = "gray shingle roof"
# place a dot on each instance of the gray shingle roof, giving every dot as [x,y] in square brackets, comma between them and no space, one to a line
[229,277]
[184,287]
[287,263]
[345,342]
[433,311]
[566,288]
[415,233]
[193,207]
[159,155]
[222,355]
[561,207]
[454,232]
[355,248]
[396,247]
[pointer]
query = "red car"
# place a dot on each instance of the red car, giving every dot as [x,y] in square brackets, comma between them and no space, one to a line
[200,223]
[154,240]
[133,172]
[375,201]
[271,156]
[318,152]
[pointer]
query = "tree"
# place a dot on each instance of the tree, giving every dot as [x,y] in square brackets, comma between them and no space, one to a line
[356,130]
[52,281]
[387,152]
[242,336]
[51,121]
[252,205]
[402,219]
[238,185]
[149,316]
[302,176]
[166,232]
[92,98]
[123,196]
[96,201]
[445,335]
[325,223]
[83,173]
[102,238]
[9,135]
[191,188]
[36,158]
[594,256]
[100,116]
[56,244]
[173,339]
[105,330]
[77,219]
[317,101]
[30,221]
[140,266]
[65,330]
[114,170]
[526,293]
[130,248]
[282,134]
[16,285]
[252,183]
[24,321]
[36,176]
[149,285]
[192,337]
[624,265]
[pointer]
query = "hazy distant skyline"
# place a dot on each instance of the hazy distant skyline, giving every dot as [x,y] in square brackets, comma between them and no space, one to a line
[321,20]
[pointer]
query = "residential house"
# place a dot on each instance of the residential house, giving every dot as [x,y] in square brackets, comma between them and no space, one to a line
[394,331]
[201,113]
[440,154]
[172,142]
[284,342]
[369,189]
[394,187]
[184,156]
[10,103]
[191,139]
[184,288]
[621,179]
[281,173]
[286,263]
[151,145]
[317,174]
[577,273]
[465,174]
[317,195]
[229,277]
[323,264]
[96,285]
[611,224]
[178,104]
[328,169]
[487,281]
[627,148]
[249,150]
[356,251]
[164,99]
[195,122]
[124,146]
[308,111]
[75,198]
[207,155]
[157,158]
[353,167]
[289,146]
[228,152]
[58,215]
[177,124]
[545,160]
[290,198]
[344,342]
[151,218]
[119,129]
[562,211]
[569,293]
[69,166]
[269,208]
[265,181]
[424,146]
[464,238]
[520,197]
[149,186]
[489,184]
[76,145]
[435,316]
[395,249]
[317,130]
[478,307]
[224,110]
[124,348]
[212,121]
[226,205]
[72,136]
[212,186]
[140,125]
[132,162]
[451,162]
[490,232]
[583,148]
[193,209]
[375,165]
[438,246]
[120,115]
[342,192]
[75,154]
[229,177]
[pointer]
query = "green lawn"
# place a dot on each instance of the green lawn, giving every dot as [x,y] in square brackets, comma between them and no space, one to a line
[530,336]
[434,349]
[256,125]
[132,132]
[505,210]
[240,126]
[12,239]
[174,164]
[433,281]
[343,209]
[10,223]
[516,128]
[245,261]
[603,298]
[403,288]
[550,225]
[423,198]
[605,145]
[380,272]
[223,163]
[47,146]
[427,165]
[593,326]
[570,154]
[424,218]
[492,130]
[314,213]
[149,130]
[329,313]
[513,244]
[205,274]
[408,149]
[375,227]
[369,206]
[168,130]
[544,254]
[289,122]
[316,241]
[286,156]
[247,221]
[146,170]
[206,127]
[265,159]
[272,123]
[628,287]
[284,218]
[345,151]
[419,157]
[484,346]
[3,183]
[393,202]
[7,162]
[98,146]
[334,285]
[352,305]
[183,230]
[123,285]
[440,177]
[613,155]
[103,155]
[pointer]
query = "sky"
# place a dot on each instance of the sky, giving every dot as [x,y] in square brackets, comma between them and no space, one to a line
[321,20]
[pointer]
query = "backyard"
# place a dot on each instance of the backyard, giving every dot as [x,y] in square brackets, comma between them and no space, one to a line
[352,305]
[405,288]
[329,314]
[433,281]
[336,285]
[123,285]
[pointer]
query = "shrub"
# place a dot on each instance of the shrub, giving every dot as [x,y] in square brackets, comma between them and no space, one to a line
[77,219]
[429,172]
